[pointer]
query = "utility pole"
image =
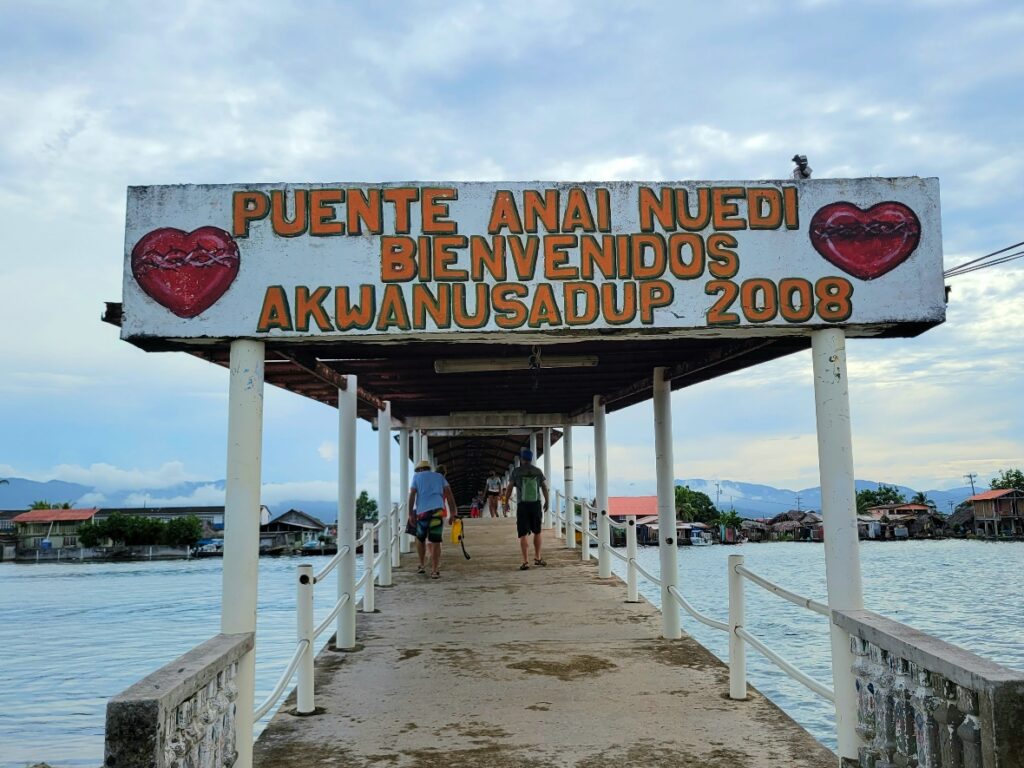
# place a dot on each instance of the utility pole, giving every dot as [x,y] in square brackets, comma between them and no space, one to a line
[798,503]
[718,492]
[950,502]
[970,478]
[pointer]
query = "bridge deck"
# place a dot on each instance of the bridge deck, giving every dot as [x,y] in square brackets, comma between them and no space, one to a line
[547,667]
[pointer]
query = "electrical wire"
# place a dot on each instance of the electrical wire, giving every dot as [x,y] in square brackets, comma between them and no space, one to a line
[976,267]
[981,263]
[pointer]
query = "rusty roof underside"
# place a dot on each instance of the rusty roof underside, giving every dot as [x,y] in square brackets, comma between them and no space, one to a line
[404,374]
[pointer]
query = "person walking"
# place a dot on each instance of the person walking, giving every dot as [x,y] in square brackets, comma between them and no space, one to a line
[493,493]
[427,496]
[529,484]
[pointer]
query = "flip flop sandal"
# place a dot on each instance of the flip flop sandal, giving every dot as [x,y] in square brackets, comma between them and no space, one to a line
[539,562]
[421,569]
[435,575]
[524,567]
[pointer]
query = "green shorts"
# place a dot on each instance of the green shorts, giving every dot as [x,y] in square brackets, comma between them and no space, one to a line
[430,527]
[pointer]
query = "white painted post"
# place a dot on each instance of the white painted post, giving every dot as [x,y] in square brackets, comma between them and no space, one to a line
[384,511]
[533,445]
[585,525]
[425,448]
[547,473]
[396,535]
[345,636]
[304,626]
[666,504]
[403,489]
[839,513]
[242,523]
[632,594]
[737,646]
[369,604]
[604,557]
[570,535]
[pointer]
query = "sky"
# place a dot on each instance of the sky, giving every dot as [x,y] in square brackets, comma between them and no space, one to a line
[97,96]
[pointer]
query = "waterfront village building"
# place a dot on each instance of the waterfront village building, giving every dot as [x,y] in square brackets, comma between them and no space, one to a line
[900,521]
[51,528]
[60,527]
[291,530]
[998,512]
[645,509]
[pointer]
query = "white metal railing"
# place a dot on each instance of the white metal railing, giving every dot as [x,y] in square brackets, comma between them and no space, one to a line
[785,594]
[738,635]
[706,620]
[301,662]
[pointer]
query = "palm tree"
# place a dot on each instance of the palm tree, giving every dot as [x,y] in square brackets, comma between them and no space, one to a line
[43,504]
[921,498]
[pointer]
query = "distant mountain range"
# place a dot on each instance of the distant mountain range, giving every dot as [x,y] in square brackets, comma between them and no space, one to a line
[752,500]
[748,499]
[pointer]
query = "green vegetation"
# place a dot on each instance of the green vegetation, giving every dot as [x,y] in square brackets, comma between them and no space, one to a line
[132,530]
[694,506]
[884,494]
[922,498]
[366,508]
[47,505]
[1007,479]
[730,519]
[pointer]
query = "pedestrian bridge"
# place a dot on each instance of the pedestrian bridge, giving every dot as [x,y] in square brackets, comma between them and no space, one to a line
[495,666]
[491,665]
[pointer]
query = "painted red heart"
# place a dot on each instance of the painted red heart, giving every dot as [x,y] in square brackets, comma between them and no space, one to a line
[865,244]
[186,272]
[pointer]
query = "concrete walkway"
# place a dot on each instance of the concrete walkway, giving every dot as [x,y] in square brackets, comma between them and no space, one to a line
[490,666]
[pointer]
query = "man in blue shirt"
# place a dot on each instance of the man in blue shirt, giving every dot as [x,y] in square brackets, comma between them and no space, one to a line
[427,497]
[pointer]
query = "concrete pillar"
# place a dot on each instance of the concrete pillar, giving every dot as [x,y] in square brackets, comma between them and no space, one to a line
[347,402]
[570,535]
[667,544]
[839,513]
[604,557]
[384,511]
[242,523]
[547,475]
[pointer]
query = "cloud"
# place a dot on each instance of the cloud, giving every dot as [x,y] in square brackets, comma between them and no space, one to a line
[202,496]
[328,451]
[108,478]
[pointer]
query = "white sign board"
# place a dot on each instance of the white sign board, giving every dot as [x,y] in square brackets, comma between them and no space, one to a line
[457,260]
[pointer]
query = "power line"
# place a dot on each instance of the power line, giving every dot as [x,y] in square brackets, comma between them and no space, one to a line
[993,263]
[976,263]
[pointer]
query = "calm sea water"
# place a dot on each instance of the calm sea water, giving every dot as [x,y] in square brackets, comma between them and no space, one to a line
[72,635]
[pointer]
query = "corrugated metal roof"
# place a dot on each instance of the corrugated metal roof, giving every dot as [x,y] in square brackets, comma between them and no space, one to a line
[632,505]
[993,494]
[55,515]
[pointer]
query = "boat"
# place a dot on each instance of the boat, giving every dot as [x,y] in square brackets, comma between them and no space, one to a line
[700,538]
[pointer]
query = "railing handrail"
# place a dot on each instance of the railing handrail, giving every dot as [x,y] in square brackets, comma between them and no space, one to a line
[289,672]
[615,553]
[331,565]
[645,573]
[785,594]
[707,620]
[331,616]
[786,667]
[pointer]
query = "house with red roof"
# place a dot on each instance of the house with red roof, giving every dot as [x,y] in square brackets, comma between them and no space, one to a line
[59,527]
[999,512]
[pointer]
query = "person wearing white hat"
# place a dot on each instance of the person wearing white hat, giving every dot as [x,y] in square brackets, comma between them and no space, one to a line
[427,497]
